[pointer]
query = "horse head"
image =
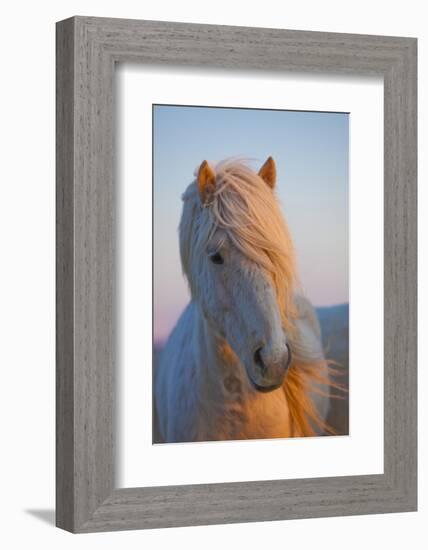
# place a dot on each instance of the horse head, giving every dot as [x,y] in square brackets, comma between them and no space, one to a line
[238,258]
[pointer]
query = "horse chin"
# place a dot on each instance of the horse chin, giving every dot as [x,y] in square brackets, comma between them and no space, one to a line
[265,388]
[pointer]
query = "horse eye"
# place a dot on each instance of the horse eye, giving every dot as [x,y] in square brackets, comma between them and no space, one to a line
[216,258]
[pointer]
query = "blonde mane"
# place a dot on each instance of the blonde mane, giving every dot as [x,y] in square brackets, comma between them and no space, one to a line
[247,210]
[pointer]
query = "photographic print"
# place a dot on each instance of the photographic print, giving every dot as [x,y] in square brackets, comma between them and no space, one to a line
[250,274]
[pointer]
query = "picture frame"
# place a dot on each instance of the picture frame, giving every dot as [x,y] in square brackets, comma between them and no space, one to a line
[87,51]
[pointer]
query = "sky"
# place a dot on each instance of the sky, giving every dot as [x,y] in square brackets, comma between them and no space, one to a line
[311,154]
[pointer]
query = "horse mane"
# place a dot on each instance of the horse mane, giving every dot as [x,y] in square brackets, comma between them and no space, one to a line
[247,209]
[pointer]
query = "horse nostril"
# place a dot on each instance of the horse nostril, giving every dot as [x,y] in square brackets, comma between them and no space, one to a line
[258,358]
[288,357]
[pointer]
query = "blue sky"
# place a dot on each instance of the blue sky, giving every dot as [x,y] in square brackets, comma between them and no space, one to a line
[311,153]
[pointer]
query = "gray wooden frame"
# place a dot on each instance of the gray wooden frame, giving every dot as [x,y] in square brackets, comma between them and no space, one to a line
[87,50]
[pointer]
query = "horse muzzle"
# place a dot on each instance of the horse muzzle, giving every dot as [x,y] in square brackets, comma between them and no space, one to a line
[269,370]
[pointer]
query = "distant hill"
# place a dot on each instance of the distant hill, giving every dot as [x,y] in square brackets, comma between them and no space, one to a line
[334,323]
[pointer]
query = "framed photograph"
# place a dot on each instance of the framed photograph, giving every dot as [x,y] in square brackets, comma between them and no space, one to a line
[236,274]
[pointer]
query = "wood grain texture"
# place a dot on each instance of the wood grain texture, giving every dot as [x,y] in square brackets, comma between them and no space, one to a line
[64,277]
[87,50]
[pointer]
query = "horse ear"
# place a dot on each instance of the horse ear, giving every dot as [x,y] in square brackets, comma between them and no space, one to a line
[268,172]
[206,182]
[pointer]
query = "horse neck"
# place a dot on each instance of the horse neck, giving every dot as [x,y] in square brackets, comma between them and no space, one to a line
[218,366]
[228,408]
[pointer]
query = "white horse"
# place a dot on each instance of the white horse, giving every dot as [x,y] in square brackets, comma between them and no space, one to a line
[245,359]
